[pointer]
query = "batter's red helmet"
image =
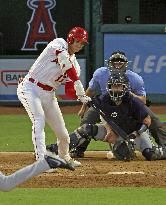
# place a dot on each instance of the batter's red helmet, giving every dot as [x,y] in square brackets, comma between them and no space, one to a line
[78,33]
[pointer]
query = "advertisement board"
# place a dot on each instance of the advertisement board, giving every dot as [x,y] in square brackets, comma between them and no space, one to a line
[147,56]
[12,69]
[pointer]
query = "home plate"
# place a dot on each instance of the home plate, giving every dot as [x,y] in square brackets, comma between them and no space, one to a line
[118,173]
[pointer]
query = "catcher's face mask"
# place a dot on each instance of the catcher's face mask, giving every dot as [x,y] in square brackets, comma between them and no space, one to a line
[117,61]
[117,87]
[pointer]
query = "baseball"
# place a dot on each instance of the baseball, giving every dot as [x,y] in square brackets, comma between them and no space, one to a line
[110,155]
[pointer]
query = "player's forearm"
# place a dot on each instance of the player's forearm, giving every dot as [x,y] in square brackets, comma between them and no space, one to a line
[71,73]
[110,137]
[147,121]
[89,93]
[78,87]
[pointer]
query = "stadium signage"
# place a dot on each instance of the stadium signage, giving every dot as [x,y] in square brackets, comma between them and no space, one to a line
[146,55]
[41,27]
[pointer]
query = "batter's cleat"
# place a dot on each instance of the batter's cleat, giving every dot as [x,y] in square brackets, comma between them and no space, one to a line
[57,162]
[74,163]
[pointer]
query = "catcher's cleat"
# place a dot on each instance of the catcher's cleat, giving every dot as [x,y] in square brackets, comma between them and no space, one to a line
[57,162]
[76,153]
[52,148]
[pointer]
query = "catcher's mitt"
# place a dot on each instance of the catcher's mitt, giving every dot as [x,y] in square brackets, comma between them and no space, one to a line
[124,150]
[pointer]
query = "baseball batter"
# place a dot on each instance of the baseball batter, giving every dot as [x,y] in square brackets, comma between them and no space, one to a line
[7,183]
[57,64]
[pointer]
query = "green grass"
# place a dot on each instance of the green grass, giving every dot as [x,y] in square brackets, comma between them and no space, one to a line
[100,196]
[16,136]
[162,117]
[16,133]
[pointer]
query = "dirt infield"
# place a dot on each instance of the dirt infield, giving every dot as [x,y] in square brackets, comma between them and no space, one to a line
[20,110]
[95,172]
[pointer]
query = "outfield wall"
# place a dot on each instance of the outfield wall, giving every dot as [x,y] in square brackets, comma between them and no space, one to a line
[28,26]
[14,67]
[144,46]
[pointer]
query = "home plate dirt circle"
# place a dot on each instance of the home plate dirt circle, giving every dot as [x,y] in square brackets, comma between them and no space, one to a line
[96,171]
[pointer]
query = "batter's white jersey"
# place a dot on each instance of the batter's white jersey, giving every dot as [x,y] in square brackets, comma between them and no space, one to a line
[48,68]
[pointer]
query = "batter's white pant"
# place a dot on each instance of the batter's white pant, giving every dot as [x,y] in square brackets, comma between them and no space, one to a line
[42,106]
[7,183]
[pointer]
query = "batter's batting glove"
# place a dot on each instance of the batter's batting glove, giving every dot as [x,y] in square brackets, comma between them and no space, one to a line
[84,99]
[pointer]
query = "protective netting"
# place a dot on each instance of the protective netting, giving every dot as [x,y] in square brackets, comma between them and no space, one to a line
[150,11]
[110,11]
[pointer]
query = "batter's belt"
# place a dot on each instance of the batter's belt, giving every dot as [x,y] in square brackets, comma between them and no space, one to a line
[41,85]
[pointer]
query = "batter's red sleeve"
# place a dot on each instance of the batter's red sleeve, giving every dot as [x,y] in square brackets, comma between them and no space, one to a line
[71,73]
[70,91]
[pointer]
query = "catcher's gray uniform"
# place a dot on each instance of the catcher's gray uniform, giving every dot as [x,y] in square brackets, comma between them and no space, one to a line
[141,141]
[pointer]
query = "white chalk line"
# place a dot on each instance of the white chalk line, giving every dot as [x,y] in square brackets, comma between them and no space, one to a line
[125,172]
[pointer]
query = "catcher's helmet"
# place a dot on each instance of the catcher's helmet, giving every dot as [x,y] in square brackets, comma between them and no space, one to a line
[117,86]
[117,61]
[78,33]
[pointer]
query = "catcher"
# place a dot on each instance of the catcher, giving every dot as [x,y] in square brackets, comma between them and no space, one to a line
[125,123]
[97,85]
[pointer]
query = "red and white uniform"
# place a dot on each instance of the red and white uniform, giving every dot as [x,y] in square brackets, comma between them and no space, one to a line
[36,92]
[50,68]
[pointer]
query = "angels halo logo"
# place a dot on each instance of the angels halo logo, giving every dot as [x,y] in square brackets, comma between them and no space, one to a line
[41,27]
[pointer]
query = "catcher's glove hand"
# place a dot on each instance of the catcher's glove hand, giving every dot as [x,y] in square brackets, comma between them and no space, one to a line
[124,150]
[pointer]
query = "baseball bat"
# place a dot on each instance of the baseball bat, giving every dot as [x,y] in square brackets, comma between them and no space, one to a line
[112,124]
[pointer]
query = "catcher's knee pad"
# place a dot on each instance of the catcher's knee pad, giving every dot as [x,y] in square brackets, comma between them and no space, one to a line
[87,131]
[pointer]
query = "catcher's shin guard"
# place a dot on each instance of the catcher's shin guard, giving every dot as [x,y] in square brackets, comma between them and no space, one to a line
[82,134]
[78,137]
[75,140]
